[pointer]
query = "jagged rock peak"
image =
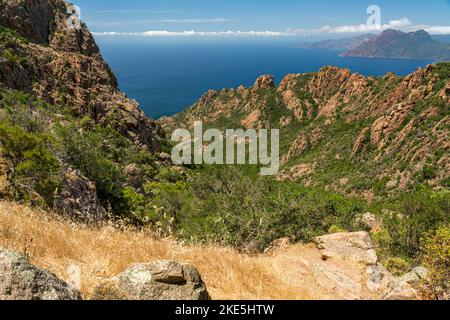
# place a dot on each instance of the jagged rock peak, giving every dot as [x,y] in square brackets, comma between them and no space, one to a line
[265,81]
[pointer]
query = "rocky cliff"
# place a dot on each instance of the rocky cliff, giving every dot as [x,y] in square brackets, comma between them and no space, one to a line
[344,131]
[70,139]
[40,53]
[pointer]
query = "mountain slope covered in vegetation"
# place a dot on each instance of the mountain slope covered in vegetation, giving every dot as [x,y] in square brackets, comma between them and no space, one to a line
[371,136]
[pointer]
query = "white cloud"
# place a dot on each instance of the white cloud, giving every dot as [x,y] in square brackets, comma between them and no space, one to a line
[434,29]
[163,33]
[355,28]
[215,20]
[403,24]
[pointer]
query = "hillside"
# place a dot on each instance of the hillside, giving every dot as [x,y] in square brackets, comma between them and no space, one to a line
[345,132]
[70,139]
[398,44]
[99,175]
[339,44]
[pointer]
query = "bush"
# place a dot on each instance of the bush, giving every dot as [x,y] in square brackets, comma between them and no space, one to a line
[336,229]
[234,207]
[35,169]
[96,153]
[36,137]
[411,217]
[436,258]
[397,266]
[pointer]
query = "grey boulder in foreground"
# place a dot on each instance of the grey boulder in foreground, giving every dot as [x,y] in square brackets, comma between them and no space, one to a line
[161,280]
[20,280]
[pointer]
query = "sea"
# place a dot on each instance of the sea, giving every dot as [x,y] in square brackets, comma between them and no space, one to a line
[166,77]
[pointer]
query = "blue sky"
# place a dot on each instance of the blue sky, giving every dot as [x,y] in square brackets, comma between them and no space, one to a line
[318,18]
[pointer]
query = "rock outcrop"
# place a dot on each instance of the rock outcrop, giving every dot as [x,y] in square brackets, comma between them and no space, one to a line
[351,265]
[20,280]
[369,222]
[445,92]
[63,66]
[355,246]
[405,287]
[161,280]
[78,199]
[264,82]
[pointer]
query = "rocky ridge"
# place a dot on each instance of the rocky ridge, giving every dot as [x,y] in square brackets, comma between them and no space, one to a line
[386,129]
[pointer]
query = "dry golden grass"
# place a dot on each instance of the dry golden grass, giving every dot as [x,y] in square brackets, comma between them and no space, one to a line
[55,244]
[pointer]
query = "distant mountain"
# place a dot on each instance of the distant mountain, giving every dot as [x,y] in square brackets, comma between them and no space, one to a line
[398,44]
[340,44]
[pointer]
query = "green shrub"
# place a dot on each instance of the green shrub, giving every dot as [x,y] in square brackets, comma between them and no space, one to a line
[397,266]
[234,207]
[96,154]
[9,36]
[436,258]
[35,167]
[412,216]
[428,172]
[336,229]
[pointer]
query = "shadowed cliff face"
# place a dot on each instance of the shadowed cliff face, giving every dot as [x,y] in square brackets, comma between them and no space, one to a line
[42,55]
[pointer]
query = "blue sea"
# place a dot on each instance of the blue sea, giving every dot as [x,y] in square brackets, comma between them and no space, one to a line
[166,77]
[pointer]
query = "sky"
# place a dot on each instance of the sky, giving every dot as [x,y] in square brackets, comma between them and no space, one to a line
[259,18]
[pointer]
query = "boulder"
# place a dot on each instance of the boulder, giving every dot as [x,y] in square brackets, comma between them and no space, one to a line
[78,199]
[404,287]
[165,157]
[350,266]
[403,291]
[161,280]
[20,280]
[345,282]
[378,278]
[264,82]
[369,221]
[355,246]
[134,177]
